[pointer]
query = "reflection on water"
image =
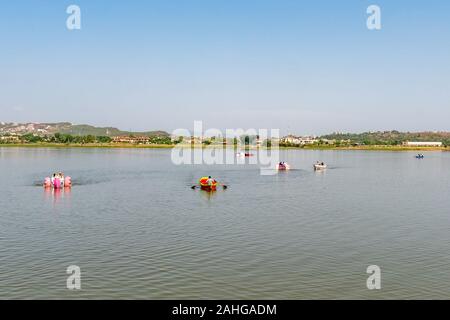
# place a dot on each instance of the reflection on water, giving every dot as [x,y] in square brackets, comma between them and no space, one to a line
[137,230]
[208,195]
[57,195]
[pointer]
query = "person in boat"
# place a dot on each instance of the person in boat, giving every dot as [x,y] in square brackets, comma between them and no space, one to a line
[56,181]
[210,181]
[53,179]
[61,178]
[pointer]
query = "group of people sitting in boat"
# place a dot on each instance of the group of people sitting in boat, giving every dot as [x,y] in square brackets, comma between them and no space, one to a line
[320,163]
[58,180]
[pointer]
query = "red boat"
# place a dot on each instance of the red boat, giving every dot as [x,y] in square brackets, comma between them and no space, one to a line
[283,166]
[204,185]
[239,154]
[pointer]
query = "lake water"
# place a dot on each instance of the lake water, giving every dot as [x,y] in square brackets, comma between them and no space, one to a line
[137,230]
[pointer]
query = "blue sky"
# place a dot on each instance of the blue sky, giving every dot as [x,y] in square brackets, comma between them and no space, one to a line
[306,67]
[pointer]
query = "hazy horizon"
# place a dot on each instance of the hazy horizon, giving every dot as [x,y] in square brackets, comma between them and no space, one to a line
[305,68]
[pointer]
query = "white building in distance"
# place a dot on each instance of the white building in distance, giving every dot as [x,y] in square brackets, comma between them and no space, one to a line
[299,140]
[422,144]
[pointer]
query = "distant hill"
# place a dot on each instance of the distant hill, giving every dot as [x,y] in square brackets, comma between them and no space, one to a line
[69,128]
[390,137]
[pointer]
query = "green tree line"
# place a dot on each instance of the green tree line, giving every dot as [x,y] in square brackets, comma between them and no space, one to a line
[58,138]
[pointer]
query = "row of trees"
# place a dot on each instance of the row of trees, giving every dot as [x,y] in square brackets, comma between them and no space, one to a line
[244,140]
[68,138]
[391,138]
[59,138]
[161,140]
[75,139]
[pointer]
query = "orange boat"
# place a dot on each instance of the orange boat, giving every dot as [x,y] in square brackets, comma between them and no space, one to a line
[204,185]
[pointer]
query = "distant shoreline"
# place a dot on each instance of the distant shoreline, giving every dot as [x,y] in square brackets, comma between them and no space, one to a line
[87,145]
[380,148]
[167,146]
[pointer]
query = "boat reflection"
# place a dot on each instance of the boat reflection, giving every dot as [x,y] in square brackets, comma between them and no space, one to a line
[208,194]
[57,194]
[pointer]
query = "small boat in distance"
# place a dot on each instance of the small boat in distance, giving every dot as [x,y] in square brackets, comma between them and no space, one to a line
[242,154]
[420,156]
[283,166]
[206,185]
[320,166]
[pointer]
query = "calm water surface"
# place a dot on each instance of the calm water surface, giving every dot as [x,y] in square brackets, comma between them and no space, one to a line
[137,230]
